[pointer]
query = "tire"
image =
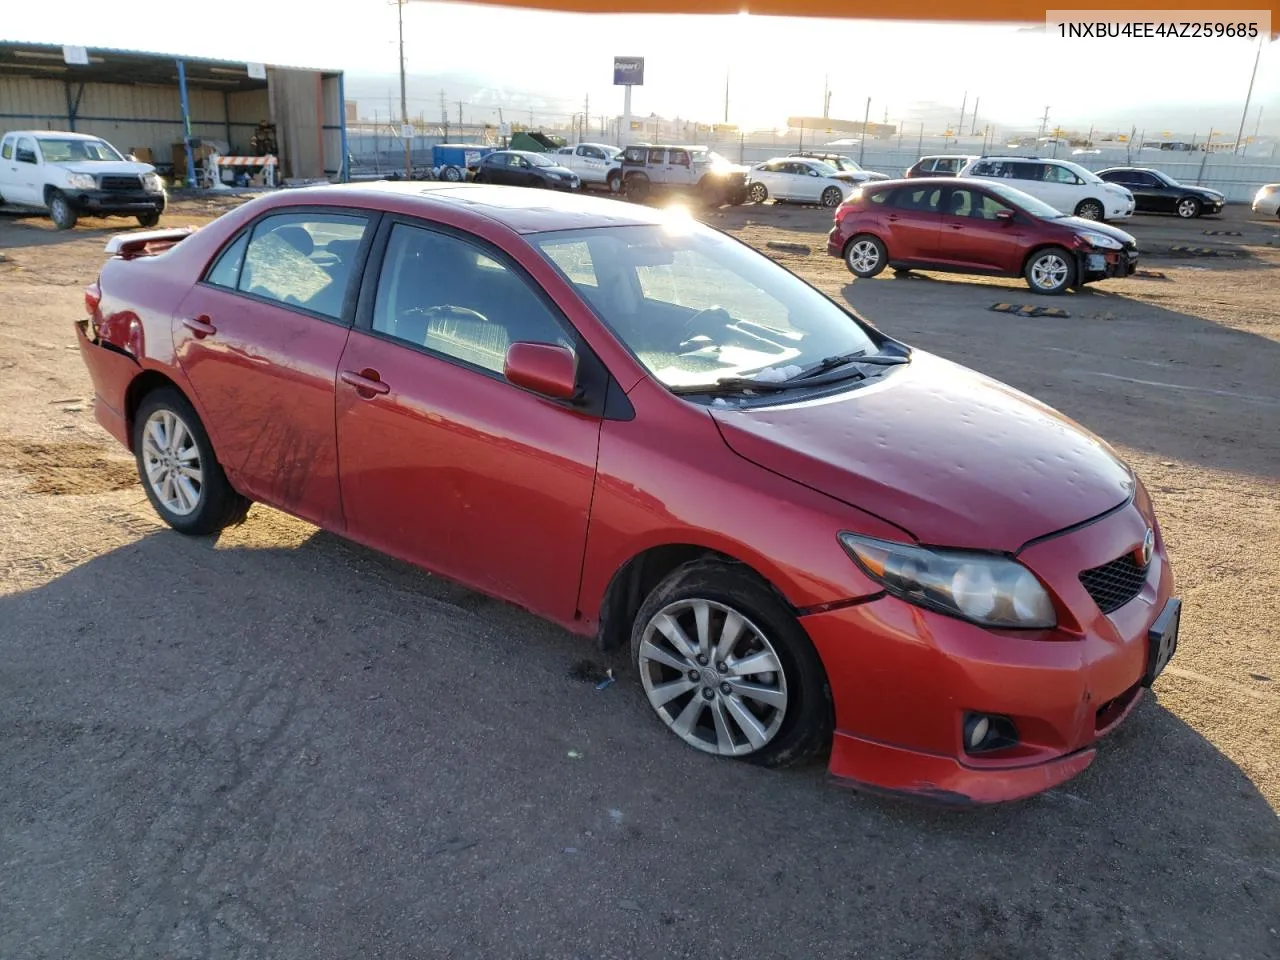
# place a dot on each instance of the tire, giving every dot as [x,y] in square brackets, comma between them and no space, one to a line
[149,219]
[1051,263]
[452,174]
[216,504]
[791,706]
[614,182]
[831,197]
[637,188]
[757,193]
[865,256]
[61,212]
[1188,208]
[1090,210]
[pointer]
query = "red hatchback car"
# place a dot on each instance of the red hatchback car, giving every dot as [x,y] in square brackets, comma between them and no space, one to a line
[975,226]
[811,536]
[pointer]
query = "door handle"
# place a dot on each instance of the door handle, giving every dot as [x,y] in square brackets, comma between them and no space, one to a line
[366,382]
[200,326]
[892,217]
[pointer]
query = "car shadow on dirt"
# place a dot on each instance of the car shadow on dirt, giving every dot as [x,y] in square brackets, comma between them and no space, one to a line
[297,752]
[36,230]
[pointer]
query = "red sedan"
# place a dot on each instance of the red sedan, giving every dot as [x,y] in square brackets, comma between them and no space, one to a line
[979,227]
[812,536]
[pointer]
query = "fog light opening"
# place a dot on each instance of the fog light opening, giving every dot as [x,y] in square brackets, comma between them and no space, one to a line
[984,733]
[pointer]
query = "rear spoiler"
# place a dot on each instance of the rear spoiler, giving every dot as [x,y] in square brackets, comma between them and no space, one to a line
[130,245]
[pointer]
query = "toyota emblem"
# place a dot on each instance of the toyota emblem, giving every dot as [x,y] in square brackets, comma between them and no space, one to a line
[1148,547]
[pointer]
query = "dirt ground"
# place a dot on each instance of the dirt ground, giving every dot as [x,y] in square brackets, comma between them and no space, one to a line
[280,745]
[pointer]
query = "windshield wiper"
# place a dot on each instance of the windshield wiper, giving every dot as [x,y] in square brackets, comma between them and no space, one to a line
[733,385]
[842,359]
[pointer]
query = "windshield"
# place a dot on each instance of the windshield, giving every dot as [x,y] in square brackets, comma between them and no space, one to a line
[824,168]
[1164,177]
[613,153]
[76,150]
[1026,201]
[844,163]
[695,306]
[538,160]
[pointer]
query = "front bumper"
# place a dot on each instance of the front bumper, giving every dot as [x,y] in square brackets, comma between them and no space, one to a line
[902,679]
[116,201]
[1120,210]
[1103,264]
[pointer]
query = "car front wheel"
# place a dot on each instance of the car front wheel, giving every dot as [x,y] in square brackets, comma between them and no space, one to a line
[831,197]
[757,193]
[179,472]
[865,256]
[149,219]
[61,212]
[728,669]
[1188,208]
[1090,210]
[1050,271]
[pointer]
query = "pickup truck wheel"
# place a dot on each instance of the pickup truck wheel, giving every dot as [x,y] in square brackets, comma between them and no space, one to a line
[149,219]
[61,212]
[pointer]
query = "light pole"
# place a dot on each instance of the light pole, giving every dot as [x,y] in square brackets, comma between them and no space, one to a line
[404,100]
[1244,114]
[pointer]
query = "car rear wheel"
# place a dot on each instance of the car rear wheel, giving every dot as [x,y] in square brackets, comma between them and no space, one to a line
[1188,208]
[178,469]
[1090,210]
[1050,271]
[727,668]
[757,193]
[452,174]
[61,212]
[831,197]
[865,256]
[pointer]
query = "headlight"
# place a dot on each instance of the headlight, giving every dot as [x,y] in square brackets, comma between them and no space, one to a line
[81,181]
[152,183]
[1100,240]
[986,589]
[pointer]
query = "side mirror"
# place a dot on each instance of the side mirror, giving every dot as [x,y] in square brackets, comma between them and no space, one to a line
[1005,215]
[544,368]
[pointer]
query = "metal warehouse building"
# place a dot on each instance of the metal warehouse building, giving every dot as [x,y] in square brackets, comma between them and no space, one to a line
[168,104]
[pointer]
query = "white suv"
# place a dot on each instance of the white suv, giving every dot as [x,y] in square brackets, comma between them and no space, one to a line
[1064,185]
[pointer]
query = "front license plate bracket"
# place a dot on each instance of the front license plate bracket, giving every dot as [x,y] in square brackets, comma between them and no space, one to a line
[1162,641]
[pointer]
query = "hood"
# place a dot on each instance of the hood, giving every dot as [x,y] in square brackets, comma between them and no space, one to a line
[951,456]
[848,177]
[557,168]
[1097,226]
[111,168]
[1205,192]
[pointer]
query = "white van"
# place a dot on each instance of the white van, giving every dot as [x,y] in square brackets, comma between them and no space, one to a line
[1064,185]
[73,175]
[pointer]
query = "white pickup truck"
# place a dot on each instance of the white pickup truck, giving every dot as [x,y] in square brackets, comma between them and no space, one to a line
[73,175]
[596,164]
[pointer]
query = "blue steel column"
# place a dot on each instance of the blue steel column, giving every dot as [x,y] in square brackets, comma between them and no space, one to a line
[186,124]
[344,172]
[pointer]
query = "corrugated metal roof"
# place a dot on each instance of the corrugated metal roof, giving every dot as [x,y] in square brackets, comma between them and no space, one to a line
[111,65]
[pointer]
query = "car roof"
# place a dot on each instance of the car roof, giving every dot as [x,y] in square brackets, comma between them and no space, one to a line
[519,208]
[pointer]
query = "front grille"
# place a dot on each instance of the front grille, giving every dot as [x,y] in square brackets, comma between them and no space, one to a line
[1114,584]
[121,183]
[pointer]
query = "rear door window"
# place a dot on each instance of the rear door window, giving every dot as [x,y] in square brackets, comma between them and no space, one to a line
[918,199]
[303,260]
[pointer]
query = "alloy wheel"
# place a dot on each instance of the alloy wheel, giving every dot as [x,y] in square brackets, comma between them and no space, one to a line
[1188,208]
[713,677]
[864,255]
[1049,272]
[172,463]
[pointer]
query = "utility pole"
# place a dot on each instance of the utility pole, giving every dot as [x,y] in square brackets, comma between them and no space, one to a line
[459,118]
[726,96]
[963,103]
[1044,122]
[862,143]
[404,100]
[826,97]
[974,132]
[444,115]
[586,116]
[1244,114]
[1257,126]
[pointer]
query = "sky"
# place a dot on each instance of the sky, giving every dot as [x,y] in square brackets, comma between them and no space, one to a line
[775,67]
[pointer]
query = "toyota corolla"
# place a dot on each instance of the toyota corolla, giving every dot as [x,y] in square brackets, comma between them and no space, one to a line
[811,537]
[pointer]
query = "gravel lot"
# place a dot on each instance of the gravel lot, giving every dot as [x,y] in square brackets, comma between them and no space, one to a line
[278,745]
